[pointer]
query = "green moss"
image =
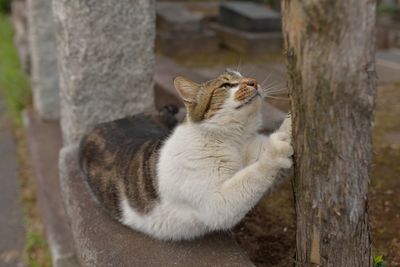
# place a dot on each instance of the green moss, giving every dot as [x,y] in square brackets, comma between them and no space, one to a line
[14,84]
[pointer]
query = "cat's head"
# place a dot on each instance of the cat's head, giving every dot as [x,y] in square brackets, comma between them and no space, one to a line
[228,99]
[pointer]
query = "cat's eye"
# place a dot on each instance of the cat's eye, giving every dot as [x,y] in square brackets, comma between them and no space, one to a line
[228,85]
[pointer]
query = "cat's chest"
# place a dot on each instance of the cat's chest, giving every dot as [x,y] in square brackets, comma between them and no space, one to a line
[225,160]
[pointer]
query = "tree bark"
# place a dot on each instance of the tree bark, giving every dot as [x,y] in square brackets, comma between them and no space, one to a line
[330,50]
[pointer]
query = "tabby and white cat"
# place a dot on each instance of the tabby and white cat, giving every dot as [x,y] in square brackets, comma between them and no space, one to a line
[203,175]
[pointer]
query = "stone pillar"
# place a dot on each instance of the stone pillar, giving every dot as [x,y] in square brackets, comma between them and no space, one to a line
[43,50]
[106,61]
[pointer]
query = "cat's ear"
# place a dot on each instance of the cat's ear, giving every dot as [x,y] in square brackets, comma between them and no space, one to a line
[187,89]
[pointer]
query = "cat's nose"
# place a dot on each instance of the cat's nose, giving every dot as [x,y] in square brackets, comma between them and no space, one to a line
[251,82]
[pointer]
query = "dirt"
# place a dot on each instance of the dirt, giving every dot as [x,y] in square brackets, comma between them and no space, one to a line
[268,231]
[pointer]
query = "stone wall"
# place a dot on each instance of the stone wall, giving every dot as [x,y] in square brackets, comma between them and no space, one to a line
[106,61]
[44,74]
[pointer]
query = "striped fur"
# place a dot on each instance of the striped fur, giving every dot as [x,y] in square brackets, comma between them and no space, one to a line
[119,159]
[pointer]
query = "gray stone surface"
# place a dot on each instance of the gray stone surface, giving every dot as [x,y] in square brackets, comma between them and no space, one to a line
[249,16]
[248,42]
[388,66]
[44,140]
[21,41]
[106,61]
[12,230]
[180,32]
[171,44]
[176,18]
[102,241]
[43,54]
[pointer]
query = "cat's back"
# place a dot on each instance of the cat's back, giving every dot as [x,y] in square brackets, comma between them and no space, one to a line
[119,160]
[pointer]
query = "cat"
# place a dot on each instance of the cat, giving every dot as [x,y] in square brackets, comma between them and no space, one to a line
[181,182]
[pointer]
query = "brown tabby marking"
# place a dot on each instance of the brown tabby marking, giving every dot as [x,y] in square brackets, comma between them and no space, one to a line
[211,96]
[246,90]
[119,160]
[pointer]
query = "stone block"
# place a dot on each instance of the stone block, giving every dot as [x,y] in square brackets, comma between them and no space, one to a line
[44,140]
[106,59]
[175,18]
[248,42]
[171,44]
[102,241]
[21,41]
[43,51]
[249,16]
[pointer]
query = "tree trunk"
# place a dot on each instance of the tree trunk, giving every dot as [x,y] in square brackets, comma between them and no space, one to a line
[332,80]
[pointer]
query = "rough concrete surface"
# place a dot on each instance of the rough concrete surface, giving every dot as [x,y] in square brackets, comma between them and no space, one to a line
[106,61]
[101,241]
[248,42]
[43,53]
[44,139]
[249,16]
[12,230]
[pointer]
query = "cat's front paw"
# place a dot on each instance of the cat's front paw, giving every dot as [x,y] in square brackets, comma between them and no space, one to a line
[286,125]
[280,149]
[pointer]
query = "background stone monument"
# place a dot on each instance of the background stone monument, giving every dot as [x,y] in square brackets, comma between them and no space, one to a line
[106,61]
[44,74]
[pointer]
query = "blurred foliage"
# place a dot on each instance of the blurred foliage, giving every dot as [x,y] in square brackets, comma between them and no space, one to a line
[379,262]
[14,84]
[385,8]
[5,6]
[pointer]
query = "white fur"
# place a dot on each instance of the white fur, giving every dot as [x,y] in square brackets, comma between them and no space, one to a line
[210,174]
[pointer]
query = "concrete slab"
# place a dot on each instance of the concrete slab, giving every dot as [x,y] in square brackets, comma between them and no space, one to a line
[176,18]
[44,139]
[12,230]
[249,17]
[248,42]
[388,66]
[101,241]
[204,42]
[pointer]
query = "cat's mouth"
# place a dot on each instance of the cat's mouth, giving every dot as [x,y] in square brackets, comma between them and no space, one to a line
[249,100]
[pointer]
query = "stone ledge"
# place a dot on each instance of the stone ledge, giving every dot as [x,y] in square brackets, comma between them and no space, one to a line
[44,140]
[101,241]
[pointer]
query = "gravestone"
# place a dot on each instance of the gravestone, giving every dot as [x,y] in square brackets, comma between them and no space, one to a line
[181,32]
[250,17]
[248,28]
[43,51]
[175,18]
[106,61]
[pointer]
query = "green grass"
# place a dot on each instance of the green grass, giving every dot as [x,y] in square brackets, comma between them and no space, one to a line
[14,84]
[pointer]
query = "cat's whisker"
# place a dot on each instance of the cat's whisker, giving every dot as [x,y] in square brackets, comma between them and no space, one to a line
[274,86]
[278,98]
[266,79]
[239,64]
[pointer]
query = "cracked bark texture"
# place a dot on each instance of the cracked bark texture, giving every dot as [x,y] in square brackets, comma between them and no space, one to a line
[330,49]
